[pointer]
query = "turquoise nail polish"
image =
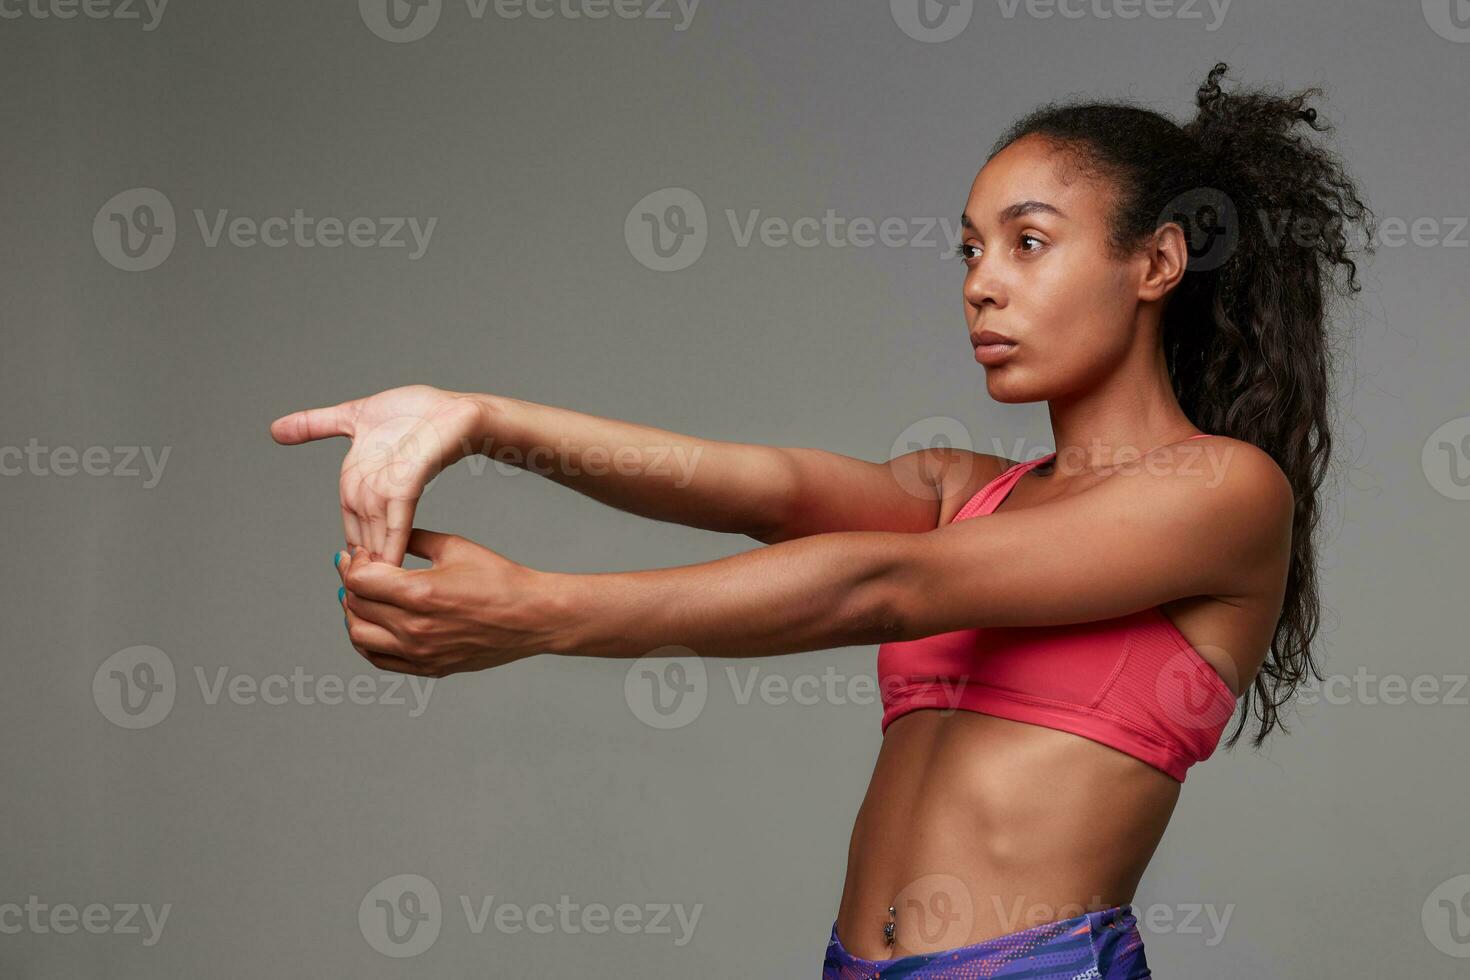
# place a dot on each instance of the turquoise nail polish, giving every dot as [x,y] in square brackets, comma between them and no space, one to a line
[341,592]
[336,558]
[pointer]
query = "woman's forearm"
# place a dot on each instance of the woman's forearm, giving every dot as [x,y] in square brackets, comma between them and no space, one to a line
[812,593]
[705,483]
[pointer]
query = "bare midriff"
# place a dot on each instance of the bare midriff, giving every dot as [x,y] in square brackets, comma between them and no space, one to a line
[975,827]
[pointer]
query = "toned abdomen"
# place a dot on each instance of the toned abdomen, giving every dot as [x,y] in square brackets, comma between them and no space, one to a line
[975,826]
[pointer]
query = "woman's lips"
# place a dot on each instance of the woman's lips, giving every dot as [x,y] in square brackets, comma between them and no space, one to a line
[989,354]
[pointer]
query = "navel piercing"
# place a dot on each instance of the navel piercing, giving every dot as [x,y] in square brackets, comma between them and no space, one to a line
[889,927]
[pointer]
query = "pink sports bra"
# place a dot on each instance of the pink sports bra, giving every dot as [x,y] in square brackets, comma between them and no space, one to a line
[1133,683]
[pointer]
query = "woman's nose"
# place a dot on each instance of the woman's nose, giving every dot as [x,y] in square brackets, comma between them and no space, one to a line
[983,287]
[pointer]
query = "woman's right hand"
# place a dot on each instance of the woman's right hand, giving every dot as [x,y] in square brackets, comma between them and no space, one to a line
[401,439]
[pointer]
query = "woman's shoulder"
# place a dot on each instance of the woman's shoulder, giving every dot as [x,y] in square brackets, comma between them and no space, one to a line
[1227,478]
[967,473]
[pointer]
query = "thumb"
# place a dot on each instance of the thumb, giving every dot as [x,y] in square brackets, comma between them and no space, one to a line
[434,546]
[314,423]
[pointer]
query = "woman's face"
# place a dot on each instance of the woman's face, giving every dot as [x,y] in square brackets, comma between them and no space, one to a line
[1039,273]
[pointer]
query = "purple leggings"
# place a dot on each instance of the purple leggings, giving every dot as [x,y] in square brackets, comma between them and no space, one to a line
[1103,945]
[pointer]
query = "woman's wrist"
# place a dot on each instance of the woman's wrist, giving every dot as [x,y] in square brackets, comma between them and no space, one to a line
[492,423]
[565,613]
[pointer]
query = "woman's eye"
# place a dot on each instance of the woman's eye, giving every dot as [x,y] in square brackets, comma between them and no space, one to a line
[967,251]
[1032,238]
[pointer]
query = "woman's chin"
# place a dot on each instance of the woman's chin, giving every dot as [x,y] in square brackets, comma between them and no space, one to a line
[1006,390]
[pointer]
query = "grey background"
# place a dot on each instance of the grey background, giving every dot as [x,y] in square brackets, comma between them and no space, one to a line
[530,141]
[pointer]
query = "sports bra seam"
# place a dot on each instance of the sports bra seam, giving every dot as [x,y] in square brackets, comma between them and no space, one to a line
[1184,645]
[1170,751]
[1032,699]
[1112,678]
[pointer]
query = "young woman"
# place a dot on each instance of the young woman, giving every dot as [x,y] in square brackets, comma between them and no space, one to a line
[1048,673]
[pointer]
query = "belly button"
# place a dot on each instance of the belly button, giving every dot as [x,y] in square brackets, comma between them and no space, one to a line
[889,927]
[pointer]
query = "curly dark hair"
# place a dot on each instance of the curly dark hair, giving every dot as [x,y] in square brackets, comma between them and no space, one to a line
[1267,213]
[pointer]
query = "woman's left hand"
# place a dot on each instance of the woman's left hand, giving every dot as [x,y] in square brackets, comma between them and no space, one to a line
[472,610]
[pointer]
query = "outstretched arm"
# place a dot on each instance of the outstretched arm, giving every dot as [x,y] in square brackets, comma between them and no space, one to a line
[770,493]
[402,438]
[1132,542]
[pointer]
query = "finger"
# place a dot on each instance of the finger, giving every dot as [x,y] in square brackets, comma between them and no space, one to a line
[349,488]
[386,661]
[312,424]
[343,561]
[399,525]
[369,637]
[374,644]
[380,581]
[374,521]
[389,617]
[351,529]
[432,545]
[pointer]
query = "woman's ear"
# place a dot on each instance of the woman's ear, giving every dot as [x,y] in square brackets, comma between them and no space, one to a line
[1166,257]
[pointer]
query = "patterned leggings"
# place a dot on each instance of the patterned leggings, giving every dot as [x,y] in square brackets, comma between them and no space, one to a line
[1102,945]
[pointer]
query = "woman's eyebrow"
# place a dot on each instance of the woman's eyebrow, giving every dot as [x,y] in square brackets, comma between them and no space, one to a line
[1018,210]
